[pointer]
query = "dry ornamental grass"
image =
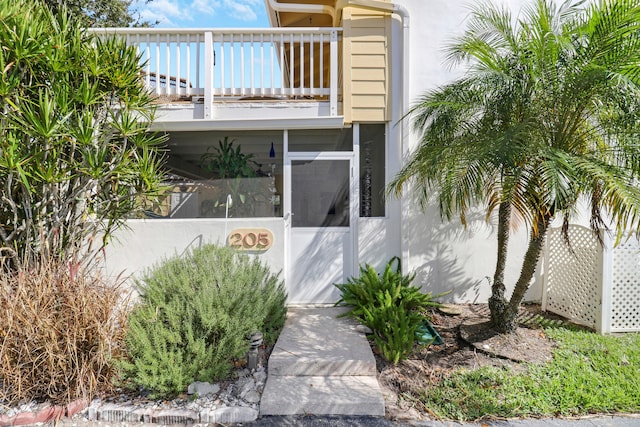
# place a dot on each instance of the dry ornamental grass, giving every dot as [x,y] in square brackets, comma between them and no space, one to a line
[59,332]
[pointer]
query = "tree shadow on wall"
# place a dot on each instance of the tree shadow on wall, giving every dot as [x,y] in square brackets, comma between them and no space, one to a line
[440,268]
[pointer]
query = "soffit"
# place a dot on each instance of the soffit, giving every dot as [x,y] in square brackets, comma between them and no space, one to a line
[301,19]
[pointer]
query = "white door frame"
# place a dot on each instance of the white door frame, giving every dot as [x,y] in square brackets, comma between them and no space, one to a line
[354,198]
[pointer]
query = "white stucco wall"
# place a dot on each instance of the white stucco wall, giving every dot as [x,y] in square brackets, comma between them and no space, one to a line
[144,243]
[446,256]
[378,241]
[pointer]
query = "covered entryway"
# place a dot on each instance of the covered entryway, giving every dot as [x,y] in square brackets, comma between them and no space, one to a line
[320,221]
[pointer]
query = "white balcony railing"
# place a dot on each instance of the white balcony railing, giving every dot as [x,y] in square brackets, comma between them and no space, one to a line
[288,63]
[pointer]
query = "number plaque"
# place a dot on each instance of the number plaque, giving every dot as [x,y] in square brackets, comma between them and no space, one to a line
[250,239]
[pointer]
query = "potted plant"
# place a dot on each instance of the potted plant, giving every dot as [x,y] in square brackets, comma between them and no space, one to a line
[228,163]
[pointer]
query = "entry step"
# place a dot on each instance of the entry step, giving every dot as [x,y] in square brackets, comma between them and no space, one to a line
[315,342]
[322,395]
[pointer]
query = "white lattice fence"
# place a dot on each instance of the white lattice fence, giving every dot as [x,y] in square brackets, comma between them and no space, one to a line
[590,284]
[625,287]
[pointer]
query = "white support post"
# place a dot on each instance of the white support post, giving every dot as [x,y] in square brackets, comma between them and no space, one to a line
[208,75]
[333,74]
[272,64]
[178,63]
[221,67]
[232,65]
[302,88]
[158,72]
[198,63]
[603,320]
[167,79]
[188,81]
[286,200]
[252,65]
[137,43]
[147,58]
[262,66]
[242,69]
[292,63]
[321,68]
[311,66]
[282,65]
[355,201]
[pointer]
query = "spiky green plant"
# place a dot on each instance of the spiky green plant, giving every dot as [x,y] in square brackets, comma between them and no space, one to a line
[76,155]
[389,305]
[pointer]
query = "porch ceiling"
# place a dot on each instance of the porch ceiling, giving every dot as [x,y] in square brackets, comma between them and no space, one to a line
[331,17]
[301,19]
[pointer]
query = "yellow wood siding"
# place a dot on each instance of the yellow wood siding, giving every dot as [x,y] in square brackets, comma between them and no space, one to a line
[366,72]
[371,87]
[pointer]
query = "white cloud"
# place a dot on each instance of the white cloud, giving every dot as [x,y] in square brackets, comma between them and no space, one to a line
[206,7]
[178,12]
[244,10]
[165,12]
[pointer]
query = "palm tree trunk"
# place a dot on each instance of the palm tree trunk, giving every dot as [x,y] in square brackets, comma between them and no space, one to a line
[506,321]
[497,301]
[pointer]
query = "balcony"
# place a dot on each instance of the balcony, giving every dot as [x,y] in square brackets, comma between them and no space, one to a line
[210,69]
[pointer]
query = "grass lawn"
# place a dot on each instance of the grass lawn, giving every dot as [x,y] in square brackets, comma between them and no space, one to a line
[589,373]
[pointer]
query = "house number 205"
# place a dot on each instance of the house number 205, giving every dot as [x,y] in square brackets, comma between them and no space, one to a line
[251,239]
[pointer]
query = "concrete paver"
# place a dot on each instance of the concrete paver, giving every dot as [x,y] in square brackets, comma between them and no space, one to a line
[315,342]
[353,395]
[322,366]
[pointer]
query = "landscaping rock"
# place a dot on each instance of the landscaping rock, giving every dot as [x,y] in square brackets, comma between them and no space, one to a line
[364,329]
[175,416]
[260,377]
[248,385]
[120,413]
[203,388]
[234,414]
[252,396]
[451,309]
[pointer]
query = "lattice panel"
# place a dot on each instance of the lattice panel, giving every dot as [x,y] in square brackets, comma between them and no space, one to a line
[625,289]
[573,279]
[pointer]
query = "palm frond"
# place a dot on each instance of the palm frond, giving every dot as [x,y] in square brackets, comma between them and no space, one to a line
[548,112]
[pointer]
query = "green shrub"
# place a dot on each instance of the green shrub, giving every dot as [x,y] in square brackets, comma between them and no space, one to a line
[389,305]
[74,140]
[59,330]
[194,317]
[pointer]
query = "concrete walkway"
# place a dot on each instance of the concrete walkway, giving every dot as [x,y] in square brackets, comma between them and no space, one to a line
[321,366]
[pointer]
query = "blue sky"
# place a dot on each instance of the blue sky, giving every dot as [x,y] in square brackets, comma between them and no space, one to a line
[203,13]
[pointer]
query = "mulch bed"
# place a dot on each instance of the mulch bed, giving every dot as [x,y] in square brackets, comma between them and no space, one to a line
[468,343]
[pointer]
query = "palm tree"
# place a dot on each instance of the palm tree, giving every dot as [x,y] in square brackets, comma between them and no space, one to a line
[547,115]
